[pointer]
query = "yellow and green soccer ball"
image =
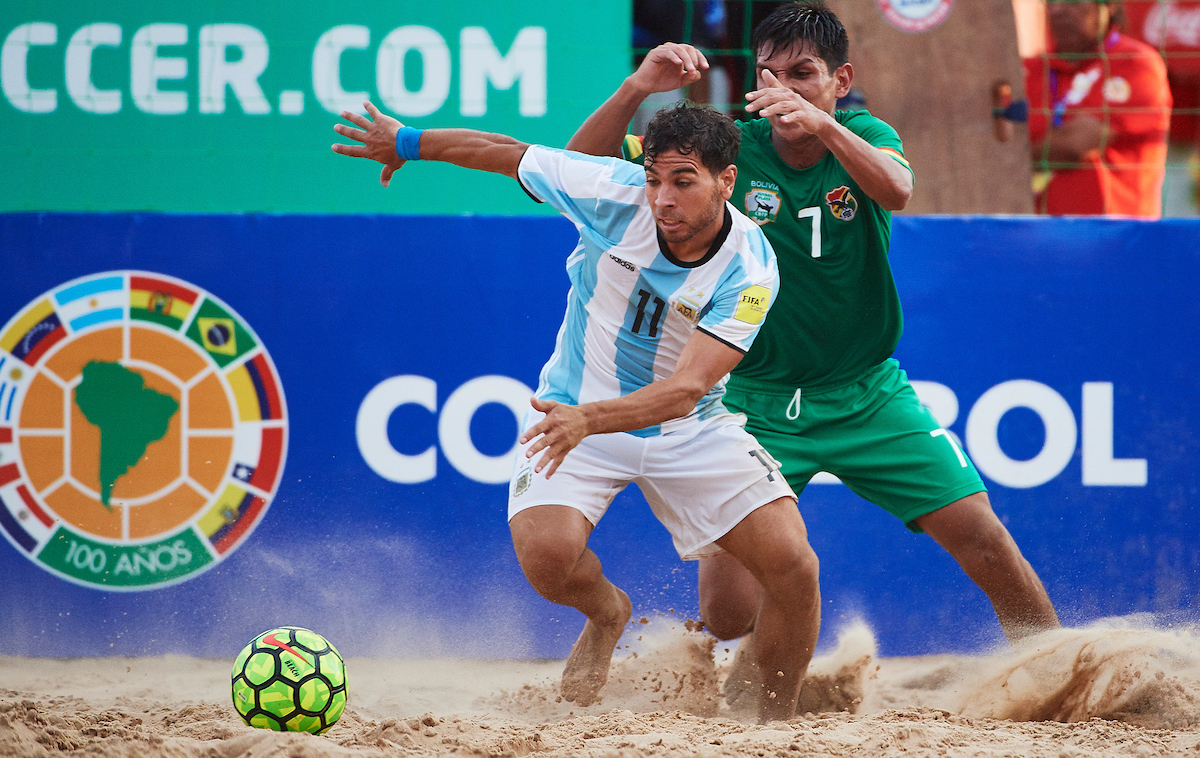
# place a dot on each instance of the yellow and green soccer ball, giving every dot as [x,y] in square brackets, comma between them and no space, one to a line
[290,680]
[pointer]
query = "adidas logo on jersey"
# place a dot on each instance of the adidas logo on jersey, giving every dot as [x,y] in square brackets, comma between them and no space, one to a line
[624,264]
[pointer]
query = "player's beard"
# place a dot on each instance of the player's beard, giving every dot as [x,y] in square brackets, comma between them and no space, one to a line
[690,229]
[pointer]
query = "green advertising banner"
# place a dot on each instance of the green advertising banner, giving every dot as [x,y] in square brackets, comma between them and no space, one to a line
[224,106]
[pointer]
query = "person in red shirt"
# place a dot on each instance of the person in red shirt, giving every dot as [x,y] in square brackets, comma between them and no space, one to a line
[1099,113]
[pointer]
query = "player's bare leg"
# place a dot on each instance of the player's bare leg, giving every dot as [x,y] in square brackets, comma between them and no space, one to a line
[551,545]
[729,600]
[742,685]
[772,545]
[969,530]
[591,655]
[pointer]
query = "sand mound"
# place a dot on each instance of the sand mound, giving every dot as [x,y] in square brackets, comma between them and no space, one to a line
[845,679]
[1124,670]
[669,667]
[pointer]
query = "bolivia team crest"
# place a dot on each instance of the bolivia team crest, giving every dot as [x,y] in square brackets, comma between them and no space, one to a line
[762,205]
[143,430]
[841,203]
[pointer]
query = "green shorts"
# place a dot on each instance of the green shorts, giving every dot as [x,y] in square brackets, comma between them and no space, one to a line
[873,434]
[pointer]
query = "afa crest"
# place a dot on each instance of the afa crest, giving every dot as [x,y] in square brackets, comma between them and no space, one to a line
[522,482]
[841,203]
[762,205]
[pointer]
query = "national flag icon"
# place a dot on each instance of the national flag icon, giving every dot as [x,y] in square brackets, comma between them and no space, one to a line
[266,473]
[34,333]
[219,333]
[160,301]
[15,376]
[243,472]
[230,517]
[10,524]
[92,301]
[20,515]
[255,390]
[258,456]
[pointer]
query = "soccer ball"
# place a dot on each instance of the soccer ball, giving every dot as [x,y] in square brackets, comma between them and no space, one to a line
[289,680]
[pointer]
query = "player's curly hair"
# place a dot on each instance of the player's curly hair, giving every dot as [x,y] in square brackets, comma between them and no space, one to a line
[688,127]
[801,23]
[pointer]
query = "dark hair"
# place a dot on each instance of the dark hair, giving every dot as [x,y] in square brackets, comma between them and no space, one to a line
[1116,14]
[688,127]
[810,23]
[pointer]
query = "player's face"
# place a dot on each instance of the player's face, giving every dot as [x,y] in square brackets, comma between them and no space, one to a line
[801,70]
[1077,27]
[687,200]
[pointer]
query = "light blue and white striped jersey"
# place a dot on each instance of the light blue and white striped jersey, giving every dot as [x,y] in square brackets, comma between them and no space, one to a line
[632,305]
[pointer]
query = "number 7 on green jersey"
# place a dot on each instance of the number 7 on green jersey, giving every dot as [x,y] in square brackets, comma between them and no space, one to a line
[815,214]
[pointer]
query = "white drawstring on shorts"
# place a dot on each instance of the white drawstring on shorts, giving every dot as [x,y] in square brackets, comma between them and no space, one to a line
[793,409]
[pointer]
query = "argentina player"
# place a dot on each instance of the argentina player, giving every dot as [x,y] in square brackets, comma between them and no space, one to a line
[669,286]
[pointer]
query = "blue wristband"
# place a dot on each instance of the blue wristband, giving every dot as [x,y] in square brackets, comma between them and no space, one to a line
[408,143]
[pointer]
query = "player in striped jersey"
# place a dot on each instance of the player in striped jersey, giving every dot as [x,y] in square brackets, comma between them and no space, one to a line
[669,286]
[819,387]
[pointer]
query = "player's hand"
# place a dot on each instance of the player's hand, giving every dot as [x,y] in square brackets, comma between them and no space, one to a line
[791,116]
[378,135]
[669,66]
[564,427]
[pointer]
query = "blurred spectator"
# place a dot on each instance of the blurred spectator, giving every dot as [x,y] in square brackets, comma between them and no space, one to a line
[700,23]
[1099,113]
[659,21]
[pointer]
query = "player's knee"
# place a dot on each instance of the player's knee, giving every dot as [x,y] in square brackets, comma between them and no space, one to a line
[990,548]
[729,617]
[804,567]
[794,572]
[547,563]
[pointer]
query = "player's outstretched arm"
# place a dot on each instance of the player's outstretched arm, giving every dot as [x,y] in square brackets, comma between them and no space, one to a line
[669,66]
[703,362]
[482,151]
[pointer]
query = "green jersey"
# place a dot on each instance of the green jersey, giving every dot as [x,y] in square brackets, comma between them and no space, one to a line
[838,313]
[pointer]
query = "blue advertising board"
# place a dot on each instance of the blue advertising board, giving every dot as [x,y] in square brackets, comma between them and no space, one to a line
[346,395]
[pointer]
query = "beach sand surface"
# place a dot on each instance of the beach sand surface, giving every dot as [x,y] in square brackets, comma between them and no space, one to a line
[1122,687]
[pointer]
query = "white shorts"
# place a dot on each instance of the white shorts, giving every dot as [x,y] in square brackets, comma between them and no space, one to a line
[700,480]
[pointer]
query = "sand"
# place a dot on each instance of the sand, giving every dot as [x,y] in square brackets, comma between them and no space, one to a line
[1121,687]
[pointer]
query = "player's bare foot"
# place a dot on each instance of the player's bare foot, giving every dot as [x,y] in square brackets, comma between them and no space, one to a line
[741,688]
[587,666]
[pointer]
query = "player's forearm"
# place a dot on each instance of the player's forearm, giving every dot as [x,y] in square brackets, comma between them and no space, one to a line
[604,130]
[880,176]
[482,151]
[655,403]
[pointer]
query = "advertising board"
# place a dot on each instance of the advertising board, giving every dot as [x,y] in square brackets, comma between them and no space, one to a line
[367,374]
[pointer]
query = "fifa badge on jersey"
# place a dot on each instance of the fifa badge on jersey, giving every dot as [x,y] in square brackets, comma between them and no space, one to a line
[522,483]
[841,203]
[762,204]
[753,304]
